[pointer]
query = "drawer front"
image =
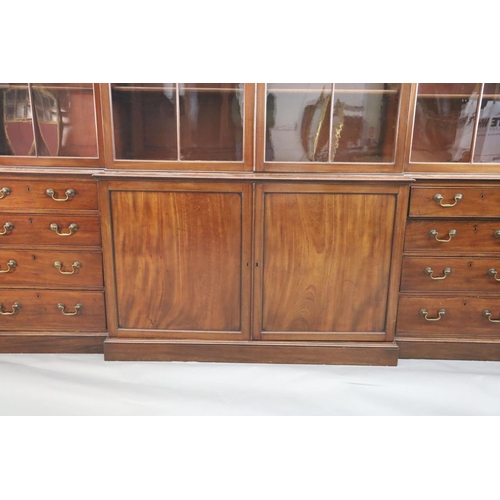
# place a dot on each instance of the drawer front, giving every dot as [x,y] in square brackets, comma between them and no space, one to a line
[463,316]
[39,310]
[471,236]
[32,194]
[21,268]
[467,202]
[449,274]
[22,229]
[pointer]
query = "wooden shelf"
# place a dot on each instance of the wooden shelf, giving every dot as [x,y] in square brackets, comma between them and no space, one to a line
[336,91]
[46,87]
[448,96]
[162,89]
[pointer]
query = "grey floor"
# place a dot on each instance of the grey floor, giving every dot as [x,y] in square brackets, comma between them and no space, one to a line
[73,384]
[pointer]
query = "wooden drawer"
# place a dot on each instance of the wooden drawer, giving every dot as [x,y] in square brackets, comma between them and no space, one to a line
[449,274]
[471,236]
[474,202]
[36,230]
[36,268]
[39,310]
[32,194]
[463,316]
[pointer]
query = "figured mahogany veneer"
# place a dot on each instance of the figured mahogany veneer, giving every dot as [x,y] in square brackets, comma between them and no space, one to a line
[32,194]
[42,305]
[34,267]
[476,202]
[29,229]
[450,274]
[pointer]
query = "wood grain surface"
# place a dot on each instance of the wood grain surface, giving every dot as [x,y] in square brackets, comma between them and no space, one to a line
[326,261]
[178,260]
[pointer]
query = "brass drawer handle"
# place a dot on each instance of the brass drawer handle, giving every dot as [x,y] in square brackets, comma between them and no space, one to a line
[76,265]
[424,313]
[451,234]
[487,314]
[439,199]
[73,228]
[15,308]
[69,194]
[11,265]
[5,191]
[446,272]
[8,226]
[493,272]
[496,234]
[62,307]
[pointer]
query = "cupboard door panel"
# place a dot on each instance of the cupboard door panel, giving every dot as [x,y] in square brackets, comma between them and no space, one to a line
[326,262]
[178,262]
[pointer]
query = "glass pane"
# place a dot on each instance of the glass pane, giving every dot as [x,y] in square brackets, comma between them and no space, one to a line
[444,122]
[16,124]
[488,131]
[144,121]
[211,121]
[65,119]
[365,117]
[298,122]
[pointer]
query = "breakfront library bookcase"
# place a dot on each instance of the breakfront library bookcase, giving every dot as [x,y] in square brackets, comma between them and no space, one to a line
[351,223]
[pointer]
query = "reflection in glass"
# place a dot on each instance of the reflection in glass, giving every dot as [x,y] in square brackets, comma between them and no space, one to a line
[48,120]
[365,117]
[144,121]
[301,125]
[488,132]
[211,121]
[444,122]
[16,124]
[65,119]
[298,122]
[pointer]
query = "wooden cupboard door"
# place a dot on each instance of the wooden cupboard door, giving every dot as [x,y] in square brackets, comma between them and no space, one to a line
[325,264]
[181,266]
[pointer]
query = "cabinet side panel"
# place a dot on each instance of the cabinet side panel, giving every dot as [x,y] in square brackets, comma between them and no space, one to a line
[327,261]
[178,260]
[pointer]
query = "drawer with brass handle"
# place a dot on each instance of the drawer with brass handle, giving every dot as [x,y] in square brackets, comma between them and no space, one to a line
[73,230]
[455,201]
[452,236]
[48,194]
[446,317]
[53,310]
[50,268]
[450,274]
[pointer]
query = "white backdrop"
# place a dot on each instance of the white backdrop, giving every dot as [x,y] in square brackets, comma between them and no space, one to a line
[73,384]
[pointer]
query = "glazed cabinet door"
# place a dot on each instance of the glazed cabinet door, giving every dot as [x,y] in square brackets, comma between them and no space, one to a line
[331,127]
[323,261]
[178,258]
[51,124]
[179,126]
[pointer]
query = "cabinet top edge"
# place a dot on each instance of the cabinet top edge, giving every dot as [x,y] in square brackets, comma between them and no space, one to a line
[250,176]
